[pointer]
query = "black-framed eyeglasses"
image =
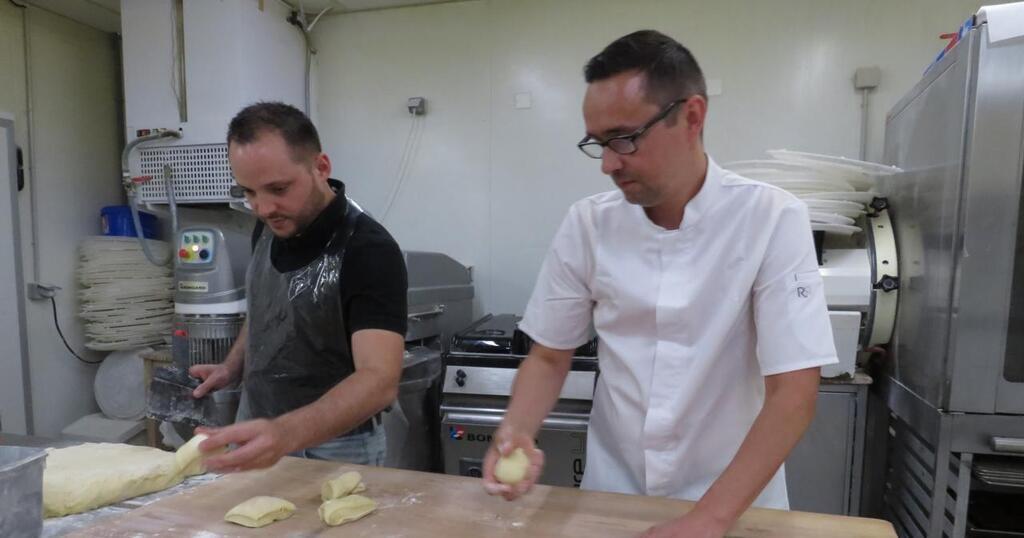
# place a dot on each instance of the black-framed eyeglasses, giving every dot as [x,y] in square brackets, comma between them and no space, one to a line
[624,144]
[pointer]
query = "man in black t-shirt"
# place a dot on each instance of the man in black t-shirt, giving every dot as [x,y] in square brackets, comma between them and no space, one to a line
[320,354]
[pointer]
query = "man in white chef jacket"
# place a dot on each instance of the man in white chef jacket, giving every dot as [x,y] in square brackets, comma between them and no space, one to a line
[704,290]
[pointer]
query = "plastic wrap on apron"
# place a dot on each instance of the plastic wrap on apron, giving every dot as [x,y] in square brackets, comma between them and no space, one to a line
[297,347]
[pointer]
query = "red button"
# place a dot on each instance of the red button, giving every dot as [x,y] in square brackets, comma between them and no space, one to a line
[180,333]
[183,253]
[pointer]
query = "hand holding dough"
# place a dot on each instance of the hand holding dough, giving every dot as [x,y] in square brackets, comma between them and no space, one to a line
[260,512]
[511,469]
[347,509]
[189,458]
[348,483]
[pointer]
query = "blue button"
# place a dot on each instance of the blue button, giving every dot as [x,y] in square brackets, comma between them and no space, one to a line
[204,254]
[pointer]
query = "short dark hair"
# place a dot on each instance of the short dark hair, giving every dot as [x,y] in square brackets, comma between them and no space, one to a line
[670,69]
[294,127]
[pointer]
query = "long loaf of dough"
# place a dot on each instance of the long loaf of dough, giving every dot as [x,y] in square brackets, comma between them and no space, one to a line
[91,475]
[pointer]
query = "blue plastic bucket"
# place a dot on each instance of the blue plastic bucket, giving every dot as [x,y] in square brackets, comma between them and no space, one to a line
[116,220]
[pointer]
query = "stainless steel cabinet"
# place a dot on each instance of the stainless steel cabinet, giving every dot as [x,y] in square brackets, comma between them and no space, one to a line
[823,473]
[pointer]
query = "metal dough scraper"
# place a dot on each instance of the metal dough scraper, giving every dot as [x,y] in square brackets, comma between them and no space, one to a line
[170,399]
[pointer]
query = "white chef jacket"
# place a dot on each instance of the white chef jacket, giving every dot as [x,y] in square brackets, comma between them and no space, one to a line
[689,322]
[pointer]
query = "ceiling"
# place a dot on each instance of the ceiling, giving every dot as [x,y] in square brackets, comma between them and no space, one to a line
[102,14]
[106,14]
[345,6]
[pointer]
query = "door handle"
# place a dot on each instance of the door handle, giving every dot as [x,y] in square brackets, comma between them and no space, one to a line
[420,316]
[1013,445]
[578,423]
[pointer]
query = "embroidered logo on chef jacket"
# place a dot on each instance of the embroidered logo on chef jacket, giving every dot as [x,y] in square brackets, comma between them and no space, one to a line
[804,283]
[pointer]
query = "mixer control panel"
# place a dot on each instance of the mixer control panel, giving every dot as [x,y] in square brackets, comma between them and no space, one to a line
[196,247]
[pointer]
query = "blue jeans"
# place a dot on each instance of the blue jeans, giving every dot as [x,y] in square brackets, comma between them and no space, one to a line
[368,448]
[361,448]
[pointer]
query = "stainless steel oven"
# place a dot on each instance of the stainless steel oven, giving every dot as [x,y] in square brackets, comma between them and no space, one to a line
[956,207]
[953,383]
[479,371]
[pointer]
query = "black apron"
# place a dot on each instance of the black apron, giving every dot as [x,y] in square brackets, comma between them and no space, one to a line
[298,345]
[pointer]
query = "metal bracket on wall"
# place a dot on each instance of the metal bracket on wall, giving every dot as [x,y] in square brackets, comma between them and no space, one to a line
[42,292]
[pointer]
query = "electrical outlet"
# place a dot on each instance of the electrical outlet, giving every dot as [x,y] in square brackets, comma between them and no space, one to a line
[41,292]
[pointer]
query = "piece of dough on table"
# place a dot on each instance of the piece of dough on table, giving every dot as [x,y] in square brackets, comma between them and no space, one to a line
[87,476]
[346,509]
[346,484]
[260,511]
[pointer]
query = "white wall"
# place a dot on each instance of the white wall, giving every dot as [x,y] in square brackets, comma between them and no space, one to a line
[490,182]
[369,65]
[75,137]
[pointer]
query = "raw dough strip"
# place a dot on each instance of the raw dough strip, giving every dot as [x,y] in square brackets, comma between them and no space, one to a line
[190,459]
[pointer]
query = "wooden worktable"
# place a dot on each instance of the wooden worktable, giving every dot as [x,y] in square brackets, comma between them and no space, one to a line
[433,505]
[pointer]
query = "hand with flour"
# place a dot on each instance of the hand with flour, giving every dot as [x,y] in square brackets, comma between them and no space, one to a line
[499,476]
[260,444]
[214,376]
[218,376]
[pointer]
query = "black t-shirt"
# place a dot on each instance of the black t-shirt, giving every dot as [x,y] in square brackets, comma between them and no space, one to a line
[374,282]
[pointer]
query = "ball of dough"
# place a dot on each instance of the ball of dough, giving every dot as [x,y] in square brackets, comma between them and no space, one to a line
[511,469]
[343,485]
[260,512]
[346,509]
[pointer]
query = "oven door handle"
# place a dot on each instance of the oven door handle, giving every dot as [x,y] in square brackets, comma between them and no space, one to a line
[1011,445]
[429,313]
[557,422]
